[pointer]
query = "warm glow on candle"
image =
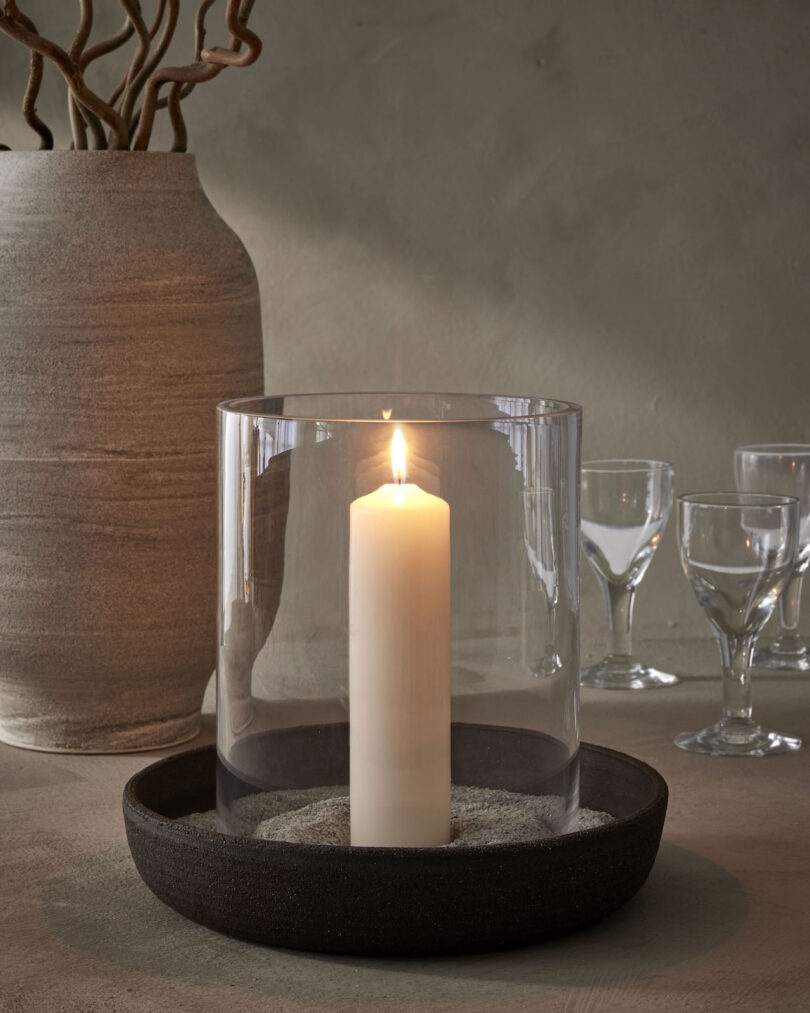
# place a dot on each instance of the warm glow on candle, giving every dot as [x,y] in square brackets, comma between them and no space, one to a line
[398,457]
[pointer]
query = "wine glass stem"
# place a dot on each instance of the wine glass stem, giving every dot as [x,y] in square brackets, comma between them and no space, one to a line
[619,601]
[736,654]
[789,602]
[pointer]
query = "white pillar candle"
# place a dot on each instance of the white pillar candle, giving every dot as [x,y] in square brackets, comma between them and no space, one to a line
[399,665]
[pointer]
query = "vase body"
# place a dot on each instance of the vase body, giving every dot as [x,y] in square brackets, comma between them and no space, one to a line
[128,310]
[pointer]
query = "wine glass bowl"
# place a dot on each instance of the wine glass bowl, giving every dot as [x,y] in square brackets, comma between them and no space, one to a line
[621,553]
[625,506]
[782,468]
[738,552]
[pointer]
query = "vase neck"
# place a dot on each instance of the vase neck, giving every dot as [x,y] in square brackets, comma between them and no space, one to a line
[98,171]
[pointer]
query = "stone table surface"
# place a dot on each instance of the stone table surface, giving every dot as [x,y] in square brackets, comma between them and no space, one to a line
[723,923]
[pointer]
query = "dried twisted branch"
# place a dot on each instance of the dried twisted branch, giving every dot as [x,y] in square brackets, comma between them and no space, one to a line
[83,31]
[77,119]
[119,90]
[153,62]
[236,17]
[199,28]
[29,106]
[176,116]
[195,73]
[186,88]
[124,34]
[95,125]
[78,125]
[212,61]
[133,9]
[157,19]
[145,75]
[114,42]
[11,26]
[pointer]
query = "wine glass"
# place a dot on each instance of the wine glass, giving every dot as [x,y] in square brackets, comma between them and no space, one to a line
[782,468]
[625,507]
[738,552]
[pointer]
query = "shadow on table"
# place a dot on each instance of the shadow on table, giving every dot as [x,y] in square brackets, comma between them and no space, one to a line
[101,906]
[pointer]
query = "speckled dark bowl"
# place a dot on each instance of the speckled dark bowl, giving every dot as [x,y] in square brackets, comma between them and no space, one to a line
[391,900]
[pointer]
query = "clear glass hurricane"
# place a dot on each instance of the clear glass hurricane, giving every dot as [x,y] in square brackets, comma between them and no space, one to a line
[398,605]
[542,551]
[738,552]
[625,507]
[782,468]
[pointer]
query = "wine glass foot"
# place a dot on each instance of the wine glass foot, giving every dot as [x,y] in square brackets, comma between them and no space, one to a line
[608,674]
[730,739]
[773,658]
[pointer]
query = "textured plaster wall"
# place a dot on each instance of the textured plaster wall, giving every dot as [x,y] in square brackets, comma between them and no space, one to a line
[602,201]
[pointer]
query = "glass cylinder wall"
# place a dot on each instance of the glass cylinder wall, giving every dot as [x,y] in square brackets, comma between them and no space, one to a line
[399,605]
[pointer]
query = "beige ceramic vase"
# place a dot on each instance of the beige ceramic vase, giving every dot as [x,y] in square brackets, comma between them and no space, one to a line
[128,309]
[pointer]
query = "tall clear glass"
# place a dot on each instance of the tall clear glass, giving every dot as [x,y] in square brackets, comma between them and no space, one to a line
[625,507]
[399,605]
[738,552]
[782,468]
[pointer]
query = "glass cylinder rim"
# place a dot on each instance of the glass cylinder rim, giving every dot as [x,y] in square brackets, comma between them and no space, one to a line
[625,465]
[775,449]
[242,406]
[737,500]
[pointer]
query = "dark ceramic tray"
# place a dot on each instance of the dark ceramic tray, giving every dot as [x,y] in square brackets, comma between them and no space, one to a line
[391,900]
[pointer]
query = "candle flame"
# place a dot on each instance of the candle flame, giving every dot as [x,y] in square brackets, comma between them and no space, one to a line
[398,457]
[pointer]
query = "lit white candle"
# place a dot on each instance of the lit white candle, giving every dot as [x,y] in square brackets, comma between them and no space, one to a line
[399,664]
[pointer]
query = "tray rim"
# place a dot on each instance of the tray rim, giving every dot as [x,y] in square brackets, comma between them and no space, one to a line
[172,826]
